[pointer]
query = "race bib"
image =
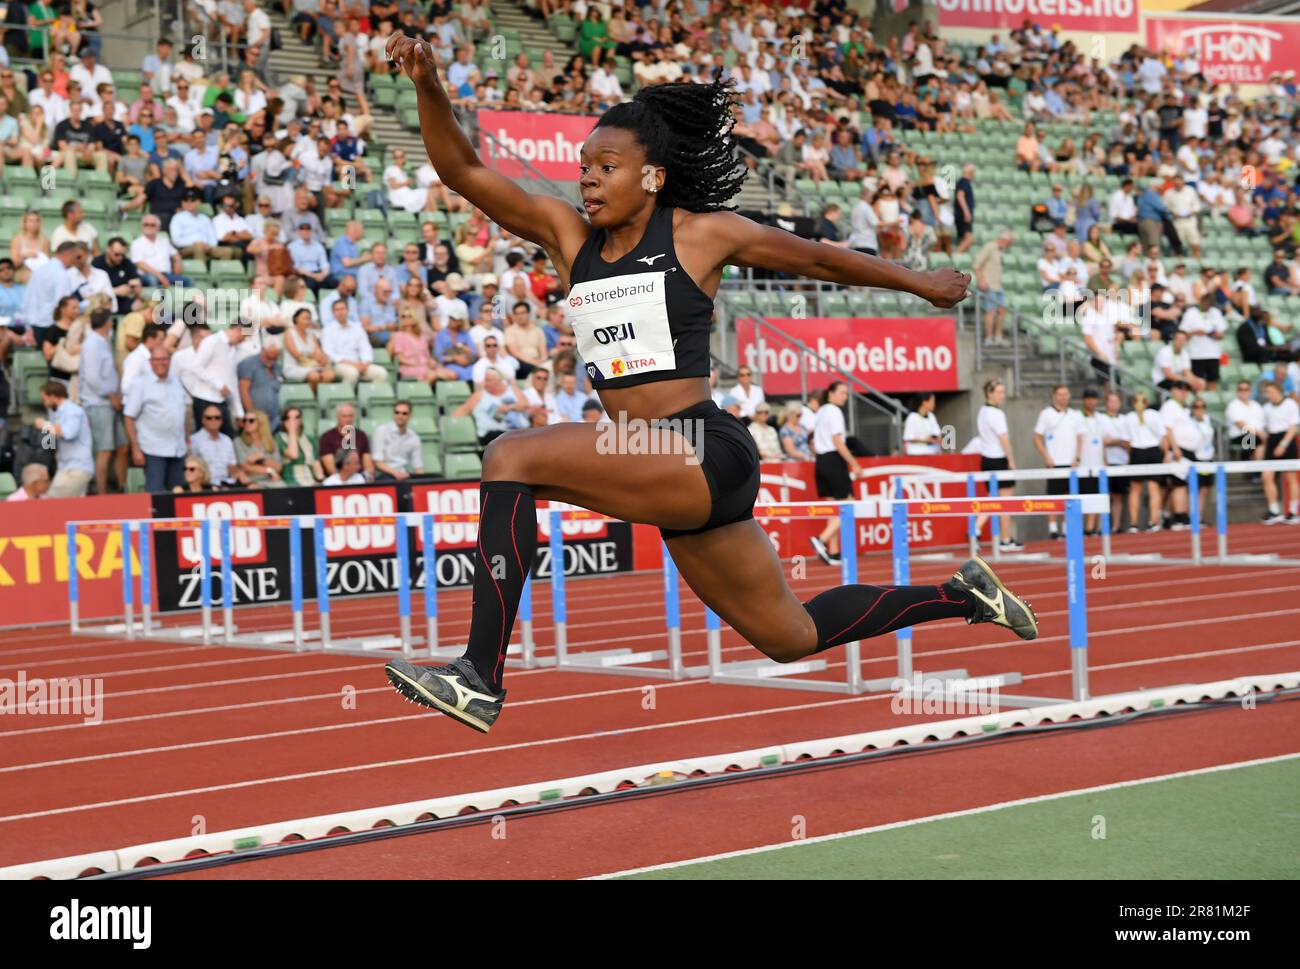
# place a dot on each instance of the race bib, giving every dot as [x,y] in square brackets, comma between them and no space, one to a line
[622,325]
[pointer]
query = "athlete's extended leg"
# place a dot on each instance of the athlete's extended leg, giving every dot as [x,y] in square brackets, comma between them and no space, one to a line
[564,462]
[735,570]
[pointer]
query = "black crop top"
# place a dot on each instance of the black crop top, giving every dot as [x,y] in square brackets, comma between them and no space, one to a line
[640,318]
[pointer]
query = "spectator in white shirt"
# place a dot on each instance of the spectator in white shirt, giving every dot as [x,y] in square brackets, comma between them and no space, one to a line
[494,358]
[1114,436]
[216,448]
[921,432]
[1282,422]
[395,448]
[348,463]
[155,258]
[214,381]
[992,443]
[345,342]
[1098,327]
[1204,324]
[1245,419]
[1173,362]
[1147,446]
[154,413]
[1058,436]
[102,401]
[746,392]
[836,466]
[136,363]
[1092,454]
[1182,440]
[539,396]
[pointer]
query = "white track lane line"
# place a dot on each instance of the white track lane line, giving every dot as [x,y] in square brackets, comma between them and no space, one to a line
[351,611]
[968,812]
[253,738]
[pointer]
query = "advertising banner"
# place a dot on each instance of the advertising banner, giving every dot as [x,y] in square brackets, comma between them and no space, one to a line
[892,355]
[794,481]
[1230,51]
[548,142]
[1108,16]
[360,557]
[34,558]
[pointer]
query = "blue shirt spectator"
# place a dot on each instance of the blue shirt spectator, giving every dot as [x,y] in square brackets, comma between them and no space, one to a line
[308,254]
[1151,207]
[48,284]
[72,448]
[343,248]
[190,227]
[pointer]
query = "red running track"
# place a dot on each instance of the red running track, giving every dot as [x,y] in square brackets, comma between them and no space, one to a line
[235,737]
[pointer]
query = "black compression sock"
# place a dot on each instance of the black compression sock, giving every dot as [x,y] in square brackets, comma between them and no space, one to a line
[853,612]
[507,540]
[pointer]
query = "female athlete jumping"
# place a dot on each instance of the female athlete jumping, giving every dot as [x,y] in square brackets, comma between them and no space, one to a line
[641,271]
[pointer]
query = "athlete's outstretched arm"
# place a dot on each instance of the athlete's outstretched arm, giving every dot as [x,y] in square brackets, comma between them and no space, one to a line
[760,246]
[542,219]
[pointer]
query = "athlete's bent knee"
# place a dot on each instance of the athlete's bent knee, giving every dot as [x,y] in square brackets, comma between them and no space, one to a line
[503,460]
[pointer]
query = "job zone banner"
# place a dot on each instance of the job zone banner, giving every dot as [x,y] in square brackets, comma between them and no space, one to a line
[34,564]
[892,355]
[360,556]
[1109,16]
[550,143]
[788,481]
[1230,51]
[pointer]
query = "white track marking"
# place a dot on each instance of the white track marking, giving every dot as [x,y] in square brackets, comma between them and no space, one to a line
[968,812]
[453,754]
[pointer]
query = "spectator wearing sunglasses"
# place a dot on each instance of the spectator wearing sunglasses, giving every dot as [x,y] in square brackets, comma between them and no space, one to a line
[396,447]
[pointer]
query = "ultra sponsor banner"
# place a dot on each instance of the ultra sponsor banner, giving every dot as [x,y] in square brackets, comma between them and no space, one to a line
[548,142]
[786,481]
[360,557]
[1243,51]
[34,563]
[1111,16]
[893,355]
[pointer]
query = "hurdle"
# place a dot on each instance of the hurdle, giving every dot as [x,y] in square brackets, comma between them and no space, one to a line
[620,661]
[768,673]
[1185,471]
[137,537]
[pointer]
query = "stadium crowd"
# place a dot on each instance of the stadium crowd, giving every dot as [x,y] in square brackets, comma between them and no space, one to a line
[234,169]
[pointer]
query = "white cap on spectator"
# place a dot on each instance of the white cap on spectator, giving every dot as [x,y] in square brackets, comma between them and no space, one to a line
[458,311]
[489,279]
[456,281]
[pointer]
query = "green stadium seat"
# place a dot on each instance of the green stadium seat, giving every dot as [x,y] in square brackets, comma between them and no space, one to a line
[451,393]
[459,435]
[135,481]
[7,484]
[329,395]
[376,399]
[461,466]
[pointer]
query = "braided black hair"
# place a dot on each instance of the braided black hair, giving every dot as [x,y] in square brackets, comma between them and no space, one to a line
[686,128]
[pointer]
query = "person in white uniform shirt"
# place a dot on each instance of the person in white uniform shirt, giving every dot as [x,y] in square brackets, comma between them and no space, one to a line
[1092,454]
[1114,437]
[1204,324]
[921,431]
[1146,434]
[1245,419]
[539,395]
[992,442]
[345,342]
[214,381]
[1173,362]
[1182,439]
[1097,323]
[1058,436]
[1282,422]
[136,363]
[835,468]
[1204,451]
[746,392]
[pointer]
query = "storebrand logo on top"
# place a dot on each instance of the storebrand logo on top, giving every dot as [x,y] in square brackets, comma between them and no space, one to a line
[359,538]
[246,544]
